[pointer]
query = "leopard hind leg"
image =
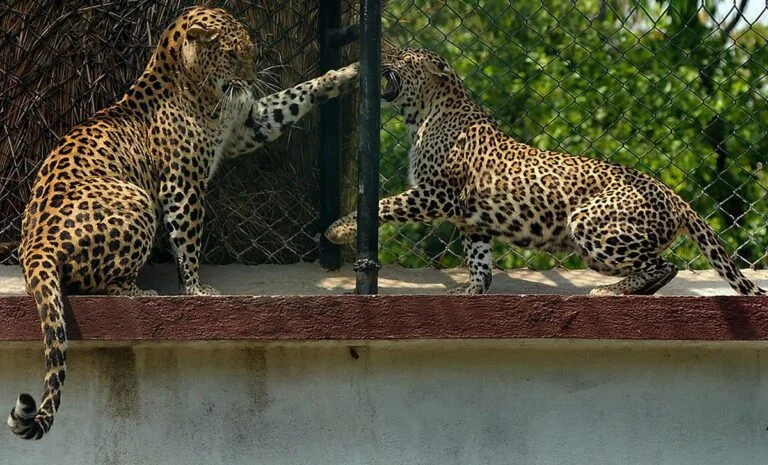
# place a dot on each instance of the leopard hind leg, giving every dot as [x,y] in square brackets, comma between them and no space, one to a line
[114,227]
[618,244]
[479,260]
[646,279]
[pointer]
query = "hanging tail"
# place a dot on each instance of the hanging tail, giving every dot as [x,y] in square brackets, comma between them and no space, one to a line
[26,419]
[709,244]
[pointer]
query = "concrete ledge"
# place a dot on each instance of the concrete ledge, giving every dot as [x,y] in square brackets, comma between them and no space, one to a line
[282,318]
[312,279]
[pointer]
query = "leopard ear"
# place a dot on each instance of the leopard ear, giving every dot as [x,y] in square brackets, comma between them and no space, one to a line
[438,68]
[200,33]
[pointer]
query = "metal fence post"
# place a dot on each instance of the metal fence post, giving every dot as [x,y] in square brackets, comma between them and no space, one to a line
[329,19]
[367,265]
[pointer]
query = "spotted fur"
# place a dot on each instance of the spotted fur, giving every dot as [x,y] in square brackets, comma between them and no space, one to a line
[95,204]
[466,170]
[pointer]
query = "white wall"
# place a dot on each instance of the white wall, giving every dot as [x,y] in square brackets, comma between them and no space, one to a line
[455,402]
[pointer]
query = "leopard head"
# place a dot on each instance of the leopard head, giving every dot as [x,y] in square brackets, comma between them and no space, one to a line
[412,75]
[210,51]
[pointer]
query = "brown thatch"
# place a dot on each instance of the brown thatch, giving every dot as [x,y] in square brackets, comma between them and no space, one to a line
[61,61]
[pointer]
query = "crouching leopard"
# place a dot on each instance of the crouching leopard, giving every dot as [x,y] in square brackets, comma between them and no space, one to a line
[463,168]
[146,159]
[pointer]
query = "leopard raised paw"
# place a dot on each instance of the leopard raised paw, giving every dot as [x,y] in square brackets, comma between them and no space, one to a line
[343,230]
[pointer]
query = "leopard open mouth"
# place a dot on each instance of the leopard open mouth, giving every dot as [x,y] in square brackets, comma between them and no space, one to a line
[235,85]
[392,85]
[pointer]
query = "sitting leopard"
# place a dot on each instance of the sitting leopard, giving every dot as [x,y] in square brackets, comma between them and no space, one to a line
[465,169]
[95,203]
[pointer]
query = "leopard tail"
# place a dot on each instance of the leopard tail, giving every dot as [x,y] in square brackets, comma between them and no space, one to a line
[26,420]
[707,241]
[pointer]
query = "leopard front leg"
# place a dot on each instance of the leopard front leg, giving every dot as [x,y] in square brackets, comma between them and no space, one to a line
[269,117]
[181,202]
[479,259]
[343,230]
[421,203]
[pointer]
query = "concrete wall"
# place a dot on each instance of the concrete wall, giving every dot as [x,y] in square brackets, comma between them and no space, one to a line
[455,402]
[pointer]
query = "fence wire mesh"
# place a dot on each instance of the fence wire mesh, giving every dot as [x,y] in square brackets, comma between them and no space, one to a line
[677,89]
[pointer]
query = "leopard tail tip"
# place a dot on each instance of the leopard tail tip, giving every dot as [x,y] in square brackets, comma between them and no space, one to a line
[23,420]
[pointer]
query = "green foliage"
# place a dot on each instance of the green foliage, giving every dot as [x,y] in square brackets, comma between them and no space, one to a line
[650,85]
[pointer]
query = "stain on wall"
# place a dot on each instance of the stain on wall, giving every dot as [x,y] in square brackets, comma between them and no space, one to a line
[117,367]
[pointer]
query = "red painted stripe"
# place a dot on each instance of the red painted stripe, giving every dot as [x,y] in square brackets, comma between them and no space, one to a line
[396,317]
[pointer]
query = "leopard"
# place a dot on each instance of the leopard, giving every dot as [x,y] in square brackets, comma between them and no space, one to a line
[144,163]
[464,169]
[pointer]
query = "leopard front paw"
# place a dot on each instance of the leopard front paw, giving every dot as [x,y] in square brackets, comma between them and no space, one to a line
[343,231]
[606,291]
[338,80]
[466,289]
[202,289]
[147,293]
[349,74]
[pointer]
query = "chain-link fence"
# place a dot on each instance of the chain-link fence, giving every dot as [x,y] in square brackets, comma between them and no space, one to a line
[677,89]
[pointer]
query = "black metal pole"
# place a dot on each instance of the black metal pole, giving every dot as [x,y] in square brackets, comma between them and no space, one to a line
[329,20]
[367,266]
